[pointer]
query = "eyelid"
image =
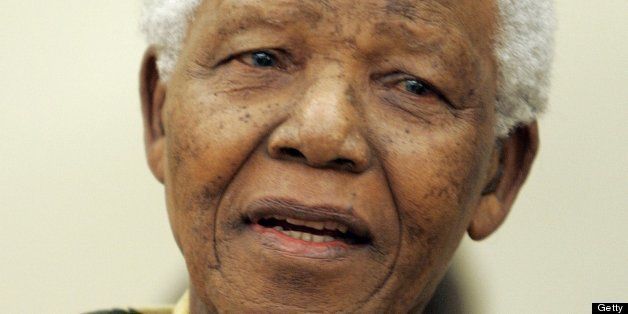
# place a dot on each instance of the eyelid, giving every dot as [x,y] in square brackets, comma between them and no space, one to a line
[398,77]
[280,56]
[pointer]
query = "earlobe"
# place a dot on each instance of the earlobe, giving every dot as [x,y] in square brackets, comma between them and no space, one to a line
[489,216]
[517,155]
[153,95]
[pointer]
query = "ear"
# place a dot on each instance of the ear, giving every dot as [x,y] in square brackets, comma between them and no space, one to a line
[153,96]
[512,160]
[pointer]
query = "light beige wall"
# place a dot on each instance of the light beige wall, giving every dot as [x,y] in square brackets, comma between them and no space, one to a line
[83,223]
[565,243]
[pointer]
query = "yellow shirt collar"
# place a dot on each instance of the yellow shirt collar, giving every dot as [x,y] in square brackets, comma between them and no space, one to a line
[183,306]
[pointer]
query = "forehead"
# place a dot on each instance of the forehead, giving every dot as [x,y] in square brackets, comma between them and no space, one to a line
[474,19]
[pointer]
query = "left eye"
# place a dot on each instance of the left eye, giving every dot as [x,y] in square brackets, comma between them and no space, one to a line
[262,59]
[416,87]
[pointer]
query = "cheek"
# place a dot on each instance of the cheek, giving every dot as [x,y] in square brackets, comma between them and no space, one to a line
[435,182]
[435,176]
[208,137]
[210,134]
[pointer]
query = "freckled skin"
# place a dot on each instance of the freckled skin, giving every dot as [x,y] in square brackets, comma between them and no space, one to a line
[413,167]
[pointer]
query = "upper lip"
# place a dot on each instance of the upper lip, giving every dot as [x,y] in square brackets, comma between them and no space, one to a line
[290,208]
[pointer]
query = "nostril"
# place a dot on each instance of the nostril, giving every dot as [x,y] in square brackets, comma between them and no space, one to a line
[292,152]
[343,163]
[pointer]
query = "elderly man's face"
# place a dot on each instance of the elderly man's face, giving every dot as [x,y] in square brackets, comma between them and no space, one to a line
[326,155]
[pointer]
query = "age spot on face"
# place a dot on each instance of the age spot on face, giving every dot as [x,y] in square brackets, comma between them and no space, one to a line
[327,105]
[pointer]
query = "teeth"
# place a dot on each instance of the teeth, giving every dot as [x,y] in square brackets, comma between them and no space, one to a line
[278,228]
[315,225]
[330,225]
[305,236]
[318,225]
[295,222]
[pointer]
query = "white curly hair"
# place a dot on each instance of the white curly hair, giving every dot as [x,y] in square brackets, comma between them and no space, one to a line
[524,51]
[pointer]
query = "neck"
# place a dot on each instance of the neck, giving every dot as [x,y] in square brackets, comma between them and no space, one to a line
[198,307]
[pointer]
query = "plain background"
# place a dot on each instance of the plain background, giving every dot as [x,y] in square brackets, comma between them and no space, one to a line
[83,222]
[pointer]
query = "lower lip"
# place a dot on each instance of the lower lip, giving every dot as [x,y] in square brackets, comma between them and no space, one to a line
[297,247]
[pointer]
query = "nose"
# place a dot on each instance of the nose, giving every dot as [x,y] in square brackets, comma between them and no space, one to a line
[323,131]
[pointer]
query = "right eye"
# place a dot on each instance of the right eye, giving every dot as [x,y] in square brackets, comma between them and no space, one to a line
[416,87]
[259,59]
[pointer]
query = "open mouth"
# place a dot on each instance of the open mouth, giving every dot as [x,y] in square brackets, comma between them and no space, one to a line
[312,231]
[313,225]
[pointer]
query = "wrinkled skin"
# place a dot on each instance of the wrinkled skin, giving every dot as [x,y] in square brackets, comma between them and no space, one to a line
[330,121]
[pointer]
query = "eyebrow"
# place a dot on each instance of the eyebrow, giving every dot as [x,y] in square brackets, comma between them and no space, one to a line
[440,42]
[414,10]
[414,39]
